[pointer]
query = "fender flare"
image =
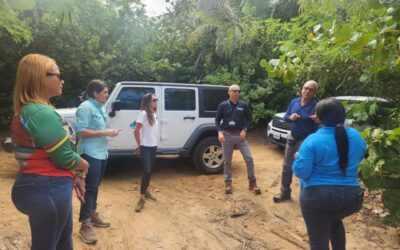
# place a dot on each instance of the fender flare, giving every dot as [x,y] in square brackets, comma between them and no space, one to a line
[208,129]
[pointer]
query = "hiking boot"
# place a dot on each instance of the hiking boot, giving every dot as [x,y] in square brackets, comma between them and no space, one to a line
[149,196]
[86,233]
[281,197]
[139,205]
[253,187]
[228,188]
[97,221]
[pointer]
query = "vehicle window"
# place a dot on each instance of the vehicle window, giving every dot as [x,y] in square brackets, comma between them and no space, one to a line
[180,99]
[212,98]
[130,97]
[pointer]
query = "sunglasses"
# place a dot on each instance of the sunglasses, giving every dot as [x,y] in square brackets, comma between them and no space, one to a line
[154,100]
[235,90]
[59,76]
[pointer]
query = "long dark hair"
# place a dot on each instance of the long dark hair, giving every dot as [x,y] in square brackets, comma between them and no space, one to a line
[332,114]
[94,86]
[146,106]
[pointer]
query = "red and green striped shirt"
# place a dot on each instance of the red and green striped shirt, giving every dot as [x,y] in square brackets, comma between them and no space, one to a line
[41,144]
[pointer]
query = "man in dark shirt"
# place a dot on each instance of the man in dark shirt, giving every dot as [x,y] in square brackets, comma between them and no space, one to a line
[236,120]
[301,114]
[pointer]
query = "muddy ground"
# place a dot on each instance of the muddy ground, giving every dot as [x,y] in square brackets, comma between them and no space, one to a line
[192,212]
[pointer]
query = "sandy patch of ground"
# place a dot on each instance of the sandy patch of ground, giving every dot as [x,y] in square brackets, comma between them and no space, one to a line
[192,212]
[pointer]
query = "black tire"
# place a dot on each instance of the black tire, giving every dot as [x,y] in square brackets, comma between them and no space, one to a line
[208,156]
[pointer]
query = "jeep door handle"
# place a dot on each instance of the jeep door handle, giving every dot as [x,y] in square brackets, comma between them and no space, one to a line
[189,117]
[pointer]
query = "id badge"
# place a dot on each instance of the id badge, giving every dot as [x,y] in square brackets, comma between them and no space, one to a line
[232,123]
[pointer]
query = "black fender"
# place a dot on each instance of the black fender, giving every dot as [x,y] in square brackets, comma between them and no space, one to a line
[202,131]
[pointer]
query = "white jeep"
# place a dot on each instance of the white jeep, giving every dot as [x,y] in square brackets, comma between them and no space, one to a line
[186,115]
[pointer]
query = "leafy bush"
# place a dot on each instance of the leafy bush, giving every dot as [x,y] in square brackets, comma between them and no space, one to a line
[380,170]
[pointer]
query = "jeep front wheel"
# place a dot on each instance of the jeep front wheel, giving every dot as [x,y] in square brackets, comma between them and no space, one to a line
[208,157]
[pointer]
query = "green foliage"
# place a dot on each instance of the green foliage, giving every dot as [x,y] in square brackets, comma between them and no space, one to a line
[380,170]
[10,22]
[349,47]
[267,97]
[373,114]
[222,19]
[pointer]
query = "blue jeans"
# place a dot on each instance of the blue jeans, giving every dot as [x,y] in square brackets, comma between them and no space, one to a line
[323,208]
[47,200]
[93,179]
[148,155]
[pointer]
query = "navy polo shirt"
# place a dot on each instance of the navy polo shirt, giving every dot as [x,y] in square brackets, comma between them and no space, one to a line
[239,113]
[303,126]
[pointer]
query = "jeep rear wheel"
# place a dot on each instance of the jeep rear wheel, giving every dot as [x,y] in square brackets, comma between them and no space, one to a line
[208,156]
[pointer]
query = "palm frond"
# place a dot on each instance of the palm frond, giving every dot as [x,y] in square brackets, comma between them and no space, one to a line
[199,32]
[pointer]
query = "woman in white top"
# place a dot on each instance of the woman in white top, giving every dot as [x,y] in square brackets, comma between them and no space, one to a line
[146,136]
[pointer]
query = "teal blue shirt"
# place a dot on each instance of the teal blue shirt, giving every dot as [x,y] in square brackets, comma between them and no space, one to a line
[90,115]
[318,161]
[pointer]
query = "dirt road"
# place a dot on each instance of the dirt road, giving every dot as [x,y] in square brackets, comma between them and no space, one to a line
[192,212]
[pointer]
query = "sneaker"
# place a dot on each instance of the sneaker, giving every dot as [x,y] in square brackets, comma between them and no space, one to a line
[228,188]
[139,205]
[86,233]
[97,221]
[149,196]
[281,197]
[253,187]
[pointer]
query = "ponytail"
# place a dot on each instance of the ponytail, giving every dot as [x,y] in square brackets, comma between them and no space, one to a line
[342,144]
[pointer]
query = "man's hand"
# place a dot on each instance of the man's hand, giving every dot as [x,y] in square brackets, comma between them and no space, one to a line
[242,135]
[221,137]
[294,117]
[315,118]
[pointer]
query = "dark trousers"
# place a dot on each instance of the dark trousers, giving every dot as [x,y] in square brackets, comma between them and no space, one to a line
[93,179]
[148,155]
[232,140]
[292,146]
[47,200]
[323,208]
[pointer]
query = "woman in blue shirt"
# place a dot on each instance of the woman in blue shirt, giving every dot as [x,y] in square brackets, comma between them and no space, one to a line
[327,165]
[92,130]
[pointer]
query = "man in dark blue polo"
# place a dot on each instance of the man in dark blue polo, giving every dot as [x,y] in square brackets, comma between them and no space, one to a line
[301,115]
[236,120]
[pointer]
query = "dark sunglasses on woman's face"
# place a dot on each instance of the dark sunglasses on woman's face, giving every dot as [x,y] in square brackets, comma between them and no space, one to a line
[154,100]
[59,76]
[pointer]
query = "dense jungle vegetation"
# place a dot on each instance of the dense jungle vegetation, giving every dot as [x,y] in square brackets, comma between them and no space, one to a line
[270,47]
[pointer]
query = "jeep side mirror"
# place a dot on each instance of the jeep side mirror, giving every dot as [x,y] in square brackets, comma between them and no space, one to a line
[115,106]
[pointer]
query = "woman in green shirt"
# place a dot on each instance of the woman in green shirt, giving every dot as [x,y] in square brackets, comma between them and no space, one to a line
[48,165]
